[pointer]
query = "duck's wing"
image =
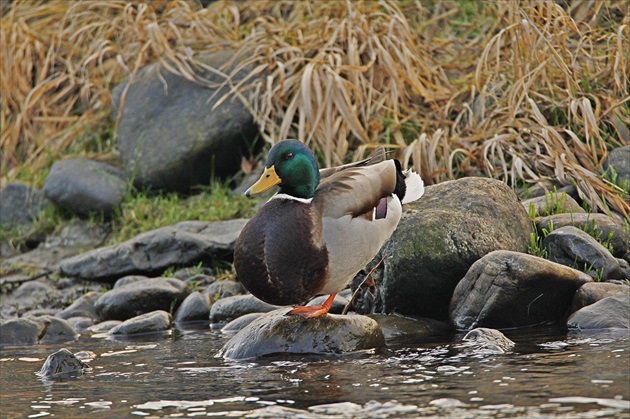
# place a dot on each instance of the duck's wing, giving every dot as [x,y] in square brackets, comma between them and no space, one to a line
[378,155]
[355,191]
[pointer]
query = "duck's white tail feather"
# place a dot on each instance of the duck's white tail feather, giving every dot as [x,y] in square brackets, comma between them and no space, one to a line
[415,186]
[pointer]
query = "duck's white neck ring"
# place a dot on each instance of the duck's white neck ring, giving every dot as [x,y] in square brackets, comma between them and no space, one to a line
[293,198]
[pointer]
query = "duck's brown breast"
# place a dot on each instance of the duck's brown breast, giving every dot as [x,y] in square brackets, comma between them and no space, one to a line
[275,257]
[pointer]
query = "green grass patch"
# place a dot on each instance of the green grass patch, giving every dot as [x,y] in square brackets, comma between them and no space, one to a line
[145,211]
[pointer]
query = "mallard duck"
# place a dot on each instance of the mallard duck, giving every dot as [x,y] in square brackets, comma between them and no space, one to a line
[322,227]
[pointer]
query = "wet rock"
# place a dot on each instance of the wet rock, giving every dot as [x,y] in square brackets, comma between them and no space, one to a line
[618,160]
[599,225]
[440,236]
[195,307]
[105,326]
[223,289]
[42,329]
[339,303]
[83,307]
[592,292]
[573,247]
[156,321]
[20,204]
[57,330]
[21,331]
[608,313]
[277,333]
[170,136]
[240,322]
[84,186]
[81,323]
[153,252]
[486,340]
[141,297]
[400,329]
[552,203]
[62,362]
[510,289]
[229,308]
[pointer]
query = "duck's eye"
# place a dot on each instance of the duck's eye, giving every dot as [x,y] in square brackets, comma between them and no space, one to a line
[288,156]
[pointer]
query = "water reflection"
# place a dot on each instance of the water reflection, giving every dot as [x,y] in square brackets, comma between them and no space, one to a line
[545,374]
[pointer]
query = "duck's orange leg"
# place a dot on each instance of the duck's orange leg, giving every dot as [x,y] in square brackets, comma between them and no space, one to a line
[309,312]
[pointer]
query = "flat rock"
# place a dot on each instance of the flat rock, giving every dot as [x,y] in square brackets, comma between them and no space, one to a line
[439,237]
[62,362]
[84,186]
[277,333]
[141,297]
[592,292]
[20,204]
[169,135]
[573,247]
[156,321]
[153,252]
[82,307]
[229,308]
[608,313]
[194,308]
[599,224]
[509,289]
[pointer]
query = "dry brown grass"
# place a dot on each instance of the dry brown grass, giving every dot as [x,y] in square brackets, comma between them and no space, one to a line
[523,91]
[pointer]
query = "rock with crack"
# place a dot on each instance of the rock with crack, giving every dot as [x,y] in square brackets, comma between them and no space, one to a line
[509,289]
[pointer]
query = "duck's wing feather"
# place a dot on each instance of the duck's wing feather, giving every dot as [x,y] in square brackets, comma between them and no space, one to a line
[378,155]
[355,191]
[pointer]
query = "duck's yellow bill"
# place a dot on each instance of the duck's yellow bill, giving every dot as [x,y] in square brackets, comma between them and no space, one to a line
[268,180]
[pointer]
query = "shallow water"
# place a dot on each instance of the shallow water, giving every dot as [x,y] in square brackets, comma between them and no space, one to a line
[549,373]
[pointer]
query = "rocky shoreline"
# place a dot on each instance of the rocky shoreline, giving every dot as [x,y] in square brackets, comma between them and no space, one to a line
[459,260]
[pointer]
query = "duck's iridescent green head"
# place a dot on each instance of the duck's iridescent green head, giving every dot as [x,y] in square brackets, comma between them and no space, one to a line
[291,165]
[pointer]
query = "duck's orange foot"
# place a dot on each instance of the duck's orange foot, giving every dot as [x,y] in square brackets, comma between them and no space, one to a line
[309,312]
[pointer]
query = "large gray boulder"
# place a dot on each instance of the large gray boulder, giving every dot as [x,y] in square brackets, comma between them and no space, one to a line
[141,297]
[509,289]
[151,253]
[169,135]
[84,186]
[598,225]
[279,333]
[573,247]
[440,236]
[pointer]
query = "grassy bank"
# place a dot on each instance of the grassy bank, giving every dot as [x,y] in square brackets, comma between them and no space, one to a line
[530,92]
